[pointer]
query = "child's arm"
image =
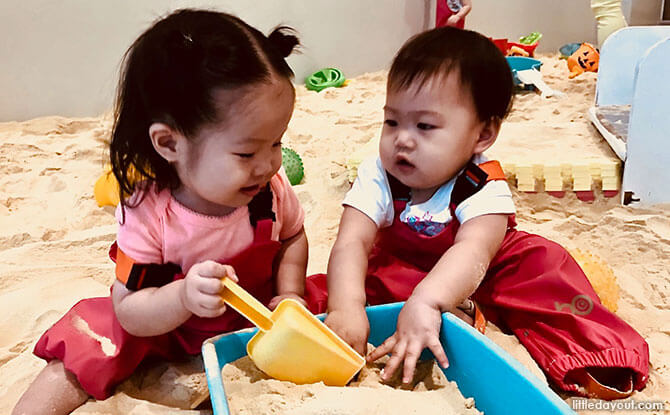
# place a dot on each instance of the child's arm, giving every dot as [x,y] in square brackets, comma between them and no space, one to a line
[454,278]
[291,268]
[466,7]
[347,269]
[154,311]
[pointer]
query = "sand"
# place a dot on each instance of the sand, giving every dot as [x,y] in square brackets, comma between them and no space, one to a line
[54,238]
[252,392]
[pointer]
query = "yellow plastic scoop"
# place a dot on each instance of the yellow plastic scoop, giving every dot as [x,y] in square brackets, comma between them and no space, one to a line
[291,343]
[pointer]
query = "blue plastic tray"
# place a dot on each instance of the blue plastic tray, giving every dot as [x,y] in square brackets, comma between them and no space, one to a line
[521,63]
[498,382]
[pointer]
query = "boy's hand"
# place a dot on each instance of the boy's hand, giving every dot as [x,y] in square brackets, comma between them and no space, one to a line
[418,327]
[276,300]
[201,292]
[352,325]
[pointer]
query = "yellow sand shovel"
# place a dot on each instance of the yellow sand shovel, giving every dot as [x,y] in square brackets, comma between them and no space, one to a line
[291,343]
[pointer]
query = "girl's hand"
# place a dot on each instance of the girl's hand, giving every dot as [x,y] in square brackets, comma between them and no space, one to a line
[418,327]
[276,300]
[352,326]
[201,291]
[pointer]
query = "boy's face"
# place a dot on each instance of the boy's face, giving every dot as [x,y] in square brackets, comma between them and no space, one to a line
[429,134]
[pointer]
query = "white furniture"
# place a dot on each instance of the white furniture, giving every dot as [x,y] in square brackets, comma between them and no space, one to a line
[632,109]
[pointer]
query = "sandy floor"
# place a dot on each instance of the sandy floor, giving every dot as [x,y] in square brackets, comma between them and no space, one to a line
[54,238]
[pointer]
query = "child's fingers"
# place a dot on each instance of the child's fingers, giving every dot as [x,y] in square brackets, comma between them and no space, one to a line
[212,269]
[211,286]
[230,273]
[273,303]
[210,302]
[411,356]
[397,357]
[211,313]
[383,349]
[300,300]
[361,347]
[435,346]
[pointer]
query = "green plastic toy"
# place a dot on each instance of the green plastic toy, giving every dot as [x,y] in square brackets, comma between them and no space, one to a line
[325,78]
[292,165]
[531,38]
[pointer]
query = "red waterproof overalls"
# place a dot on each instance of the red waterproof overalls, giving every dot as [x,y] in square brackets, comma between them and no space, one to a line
[100,367]
[533,288]
[443,12]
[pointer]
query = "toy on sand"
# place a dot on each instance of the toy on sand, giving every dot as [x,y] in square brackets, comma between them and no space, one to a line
[475,364]
[106,189]
[584,59]
[600,276]
[292,164]
[568,49]
[522,63]
[325,78]
[526,71]
[525,47]
[291,343]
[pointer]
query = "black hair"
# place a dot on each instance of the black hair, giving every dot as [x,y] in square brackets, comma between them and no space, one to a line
[482,68]
[169,75]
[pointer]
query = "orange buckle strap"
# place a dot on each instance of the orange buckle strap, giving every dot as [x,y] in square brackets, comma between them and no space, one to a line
[473,310]
[137,276]
[124,266]
[480,320]
[493,169]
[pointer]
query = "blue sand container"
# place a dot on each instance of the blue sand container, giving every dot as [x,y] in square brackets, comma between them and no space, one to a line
[499,384]
[521,63]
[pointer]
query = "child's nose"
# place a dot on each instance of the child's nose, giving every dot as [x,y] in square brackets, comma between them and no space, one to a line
[404,139]
[263,168]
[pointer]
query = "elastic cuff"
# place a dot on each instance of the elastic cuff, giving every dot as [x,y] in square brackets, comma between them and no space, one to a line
[613,358]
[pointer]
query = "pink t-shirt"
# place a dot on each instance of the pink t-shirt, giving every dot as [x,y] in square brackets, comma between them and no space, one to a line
[161,230]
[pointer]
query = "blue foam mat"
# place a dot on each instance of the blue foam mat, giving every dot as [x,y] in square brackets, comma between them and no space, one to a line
[499,383]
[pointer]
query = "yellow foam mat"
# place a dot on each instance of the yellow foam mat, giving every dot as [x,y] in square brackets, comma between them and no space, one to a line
[565,176]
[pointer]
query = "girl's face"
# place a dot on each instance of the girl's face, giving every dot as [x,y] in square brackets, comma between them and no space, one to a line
[429,134]
[228,162]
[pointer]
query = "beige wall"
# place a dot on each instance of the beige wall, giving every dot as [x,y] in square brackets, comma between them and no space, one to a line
[644,12]
[61,57]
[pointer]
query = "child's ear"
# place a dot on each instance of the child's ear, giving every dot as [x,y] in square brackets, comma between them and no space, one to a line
[165,140]
[488,134]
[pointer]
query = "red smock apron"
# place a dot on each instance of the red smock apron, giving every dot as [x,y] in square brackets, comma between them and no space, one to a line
[91,343]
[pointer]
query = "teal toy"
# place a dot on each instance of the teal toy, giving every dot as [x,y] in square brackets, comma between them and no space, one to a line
[325,78]
[292,165]
[568,49]
[521,63]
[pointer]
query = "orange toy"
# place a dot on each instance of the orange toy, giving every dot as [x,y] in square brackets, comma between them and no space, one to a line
[600,276]
[584,59]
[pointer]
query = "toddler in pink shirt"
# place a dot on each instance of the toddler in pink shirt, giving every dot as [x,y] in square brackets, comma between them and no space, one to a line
[204,100]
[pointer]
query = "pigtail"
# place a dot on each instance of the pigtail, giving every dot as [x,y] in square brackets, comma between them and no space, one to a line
[284,40]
